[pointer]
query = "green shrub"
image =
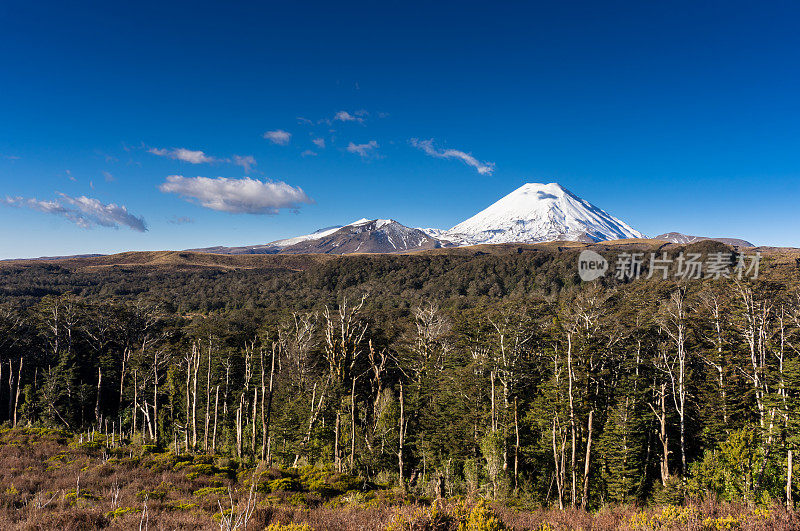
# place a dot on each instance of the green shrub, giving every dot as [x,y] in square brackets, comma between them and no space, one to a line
[121,511]
[210,491]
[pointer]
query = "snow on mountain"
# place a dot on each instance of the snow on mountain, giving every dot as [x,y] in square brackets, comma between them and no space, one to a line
[536,213]
[320,233]
[366,236]
[327,231]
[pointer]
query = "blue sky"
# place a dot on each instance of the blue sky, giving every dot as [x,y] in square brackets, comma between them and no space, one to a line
[671,116]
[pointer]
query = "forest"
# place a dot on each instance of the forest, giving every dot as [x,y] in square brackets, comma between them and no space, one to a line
[419,379]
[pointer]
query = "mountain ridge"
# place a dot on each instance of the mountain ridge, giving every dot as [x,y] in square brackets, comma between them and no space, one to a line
[677,237]
[533,213]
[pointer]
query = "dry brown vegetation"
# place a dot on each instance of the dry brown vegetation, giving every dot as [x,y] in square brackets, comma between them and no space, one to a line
[187,260]
[56,480]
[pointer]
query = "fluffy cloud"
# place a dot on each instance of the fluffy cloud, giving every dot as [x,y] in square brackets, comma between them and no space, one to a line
[186,155]
[238,196]
[279,136]
[246,162]
[86,212]
[484,168]
[319,142]
[363,150]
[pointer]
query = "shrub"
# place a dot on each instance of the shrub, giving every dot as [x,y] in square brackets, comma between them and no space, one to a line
[121,511]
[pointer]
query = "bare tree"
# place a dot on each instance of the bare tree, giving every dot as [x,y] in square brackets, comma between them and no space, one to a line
[344,331]
[673,321]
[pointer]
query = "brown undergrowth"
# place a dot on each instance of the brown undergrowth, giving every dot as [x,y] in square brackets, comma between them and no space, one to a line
[55,480]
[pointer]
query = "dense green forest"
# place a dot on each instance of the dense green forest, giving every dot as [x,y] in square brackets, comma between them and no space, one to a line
[495,375]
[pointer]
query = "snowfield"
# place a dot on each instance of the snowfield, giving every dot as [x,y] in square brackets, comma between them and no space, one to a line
[535,213]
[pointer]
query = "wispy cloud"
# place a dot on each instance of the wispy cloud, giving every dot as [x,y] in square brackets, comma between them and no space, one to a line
[319,142]
[246,162]
[108,177]
[279,136]
[364,150]
[86,212]
[238,196]
[484,168]
[182,220]
[308,153]
[186,155]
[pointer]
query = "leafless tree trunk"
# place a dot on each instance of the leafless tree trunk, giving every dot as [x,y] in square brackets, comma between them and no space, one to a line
[585,498]
[239,429]
[559,459]
[208,400]
[195,367]
[572,423]
[755,315]
[494,414]
[336,456]
[352,425]
[253,423]
[10,387]
[661,415]
[97,403]
[266,419]
[674,324]
[316,408]
[712,304]
[155,395]
[516,446]
[401,437]
[189,357]
[16,393]
[214,435]
[135,399]
[789,500]
[126,356]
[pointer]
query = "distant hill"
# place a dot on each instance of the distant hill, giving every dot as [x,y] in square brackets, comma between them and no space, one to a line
[677,237]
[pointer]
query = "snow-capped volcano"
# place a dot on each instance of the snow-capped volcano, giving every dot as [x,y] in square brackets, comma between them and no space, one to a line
[362,236]
[536,213]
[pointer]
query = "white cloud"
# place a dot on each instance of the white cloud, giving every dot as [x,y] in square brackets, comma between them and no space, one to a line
[363,150]
[238,196]
[308,153]
[108,177]
[246,162]
[319,142]
[279,136]
[484,168]
[186,155]
[86,212]
[344,116]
